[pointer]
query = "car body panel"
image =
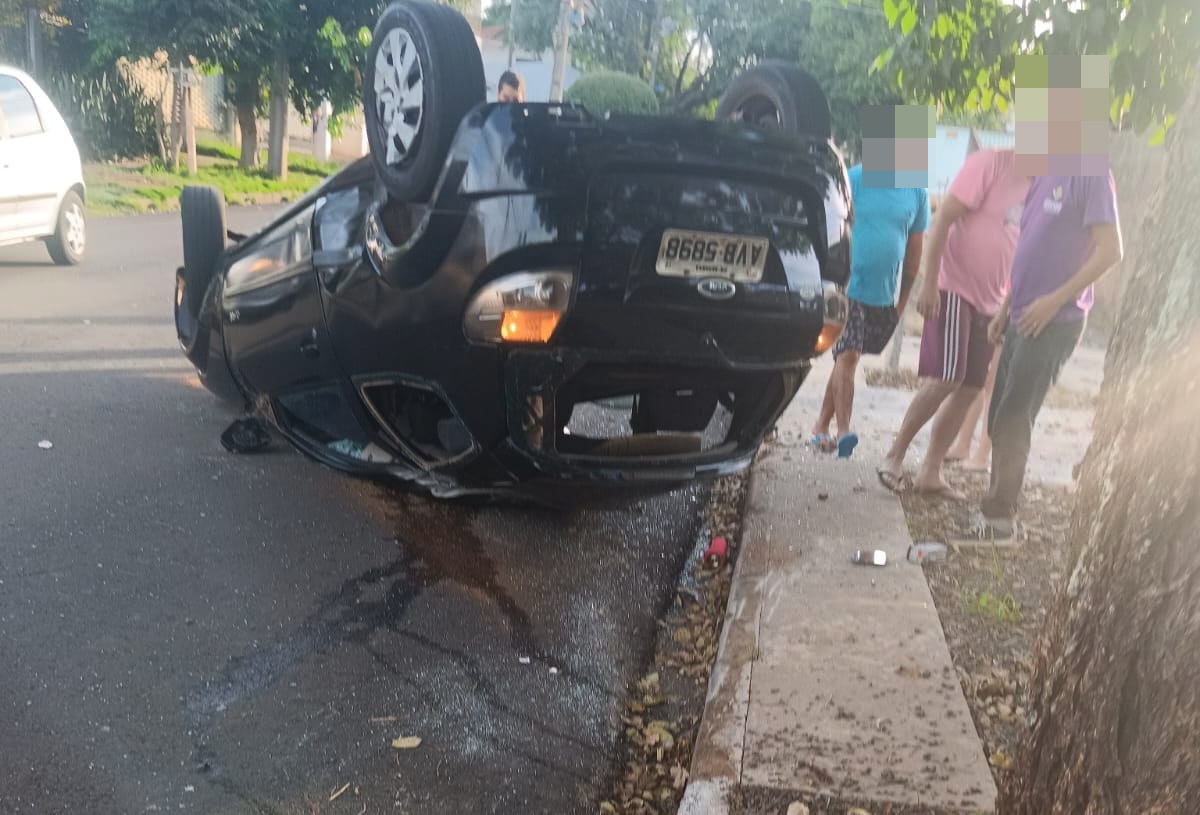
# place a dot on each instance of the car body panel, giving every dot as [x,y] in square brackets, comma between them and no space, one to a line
[357,337]
[39,164]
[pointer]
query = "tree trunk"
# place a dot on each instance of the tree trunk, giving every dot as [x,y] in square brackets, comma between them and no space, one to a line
[277,149]
[1116,691]
[247,93]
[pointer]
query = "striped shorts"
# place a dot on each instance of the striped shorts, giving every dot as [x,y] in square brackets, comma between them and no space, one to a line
[955,346]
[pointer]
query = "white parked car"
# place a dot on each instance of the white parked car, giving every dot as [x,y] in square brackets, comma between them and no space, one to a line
[41,179]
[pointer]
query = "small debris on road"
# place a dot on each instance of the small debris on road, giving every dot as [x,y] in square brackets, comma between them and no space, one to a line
[716,554]
[406,743]
[333,797]
[823,496]
[524,660]
[248,435]
[382,720]
[553,671]
[45,444]
[863,557]
[797,808]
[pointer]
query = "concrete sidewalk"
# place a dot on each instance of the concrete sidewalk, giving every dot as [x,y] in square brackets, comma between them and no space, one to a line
[832,679]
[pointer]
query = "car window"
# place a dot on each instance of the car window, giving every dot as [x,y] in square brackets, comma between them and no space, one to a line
[17,109]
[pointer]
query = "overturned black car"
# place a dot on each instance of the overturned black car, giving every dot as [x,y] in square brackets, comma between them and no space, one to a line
[518,297]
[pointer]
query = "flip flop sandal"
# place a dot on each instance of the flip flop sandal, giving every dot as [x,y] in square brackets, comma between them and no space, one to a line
[822,442]
[895,484]
[846,445]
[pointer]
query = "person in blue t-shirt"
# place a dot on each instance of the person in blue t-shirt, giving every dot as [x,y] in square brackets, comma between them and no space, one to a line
[886,243]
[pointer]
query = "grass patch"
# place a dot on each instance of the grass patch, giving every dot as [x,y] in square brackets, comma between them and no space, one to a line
[148,186]
[1003,608]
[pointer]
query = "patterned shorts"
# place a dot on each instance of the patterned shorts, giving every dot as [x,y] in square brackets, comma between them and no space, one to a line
[868,329]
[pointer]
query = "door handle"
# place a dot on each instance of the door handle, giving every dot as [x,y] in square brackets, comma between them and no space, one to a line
[309,346]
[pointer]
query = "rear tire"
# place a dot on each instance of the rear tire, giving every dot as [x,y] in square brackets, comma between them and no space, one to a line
[777,95]
[424,74]
[204,228]
[67,244]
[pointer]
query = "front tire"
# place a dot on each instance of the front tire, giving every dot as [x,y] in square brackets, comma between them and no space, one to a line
[425,73]
[66,246]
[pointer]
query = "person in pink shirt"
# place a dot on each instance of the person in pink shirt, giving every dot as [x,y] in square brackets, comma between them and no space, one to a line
[966,268]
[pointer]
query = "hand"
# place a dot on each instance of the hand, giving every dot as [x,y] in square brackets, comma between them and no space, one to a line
[997,327]
[1040,313]
[929,303]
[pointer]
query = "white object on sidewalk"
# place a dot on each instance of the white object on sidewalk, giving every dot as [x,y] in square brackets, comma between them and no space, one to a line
[45,444]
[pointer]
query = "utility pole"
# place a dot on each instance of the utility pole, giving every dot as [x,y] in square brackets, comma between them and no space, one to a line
[655,40]
[562,40]
[512,32]
[33,22]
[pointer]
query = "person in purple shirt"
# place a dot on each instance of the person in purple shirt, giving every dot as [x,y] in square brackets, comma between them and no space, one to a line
[1070,236]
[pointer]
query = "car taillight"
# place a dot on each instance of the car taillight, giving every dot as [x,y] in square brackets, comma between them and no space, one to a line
[525,307]
[837,308]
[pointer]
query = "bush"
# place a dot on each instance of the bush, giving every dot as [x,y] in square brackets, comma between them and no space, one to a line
[612,92]
[108,115]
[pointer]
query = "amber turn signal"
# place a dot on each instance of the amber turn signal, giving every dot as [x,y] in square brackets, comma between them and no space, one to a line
[828,336]
[529,326]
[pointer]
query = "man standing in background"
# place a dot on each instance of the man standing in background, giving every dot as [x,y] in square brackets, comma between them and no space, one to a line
[888,233]
[965,271]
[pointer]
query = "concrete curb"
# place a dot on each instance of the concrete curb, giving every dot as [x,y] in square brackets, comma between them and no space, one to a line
[717,757]
[794,656]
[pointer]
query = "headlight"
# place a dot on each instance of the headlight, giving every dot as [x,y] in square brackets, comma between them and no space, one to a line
[519,308]
[837,308]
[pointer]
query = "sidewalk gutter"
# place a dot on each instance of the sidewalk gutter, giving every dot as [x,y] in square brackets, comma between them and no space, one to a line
[832,679]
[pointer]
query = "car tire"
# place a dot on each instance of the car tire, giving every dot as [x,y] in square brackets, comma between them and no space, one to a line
[410,136]
[777,95]
[66,246]
[204,229]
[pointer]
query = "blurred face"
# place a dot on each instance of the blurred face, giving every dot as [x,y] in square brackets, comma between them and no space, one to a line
[508,93]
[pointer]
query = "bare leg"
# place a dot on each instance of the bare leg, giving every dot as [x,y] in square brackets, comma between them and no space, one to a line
[945,426]
[844,371]
[961,449]
[923,407]
[821,428]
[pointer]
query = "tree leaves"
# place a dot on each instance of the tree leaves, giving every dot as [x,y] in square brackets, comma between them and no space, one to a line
[1154,46]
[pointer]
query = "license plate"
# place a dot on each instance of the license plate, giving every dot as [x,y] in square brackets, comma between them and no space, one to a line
[739,258]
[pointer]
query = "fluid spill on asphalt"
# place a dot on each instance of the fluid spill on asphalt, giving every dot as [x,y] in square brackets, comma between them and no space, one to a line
[506,638]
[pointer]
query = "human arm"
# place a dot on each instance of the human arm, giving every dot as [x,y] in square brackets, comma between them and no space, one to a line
[912,264]
[1107,251]
[999,323]
[951,209]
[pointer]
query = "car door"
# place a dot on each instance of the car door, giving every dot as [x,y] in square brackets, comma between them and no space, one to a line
[7,184]
[29,182]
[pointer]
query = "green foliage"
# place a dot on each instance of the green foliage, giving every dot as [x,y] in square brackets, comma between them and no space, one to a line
[1003,608]
[155,188]
[533,28]
[612,92]
[108,115]
[207,30]
[965,50]
[839,47]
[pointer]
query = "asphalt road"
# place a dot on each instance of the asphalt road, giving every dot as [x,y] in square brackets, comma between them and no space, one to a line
[186,630]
